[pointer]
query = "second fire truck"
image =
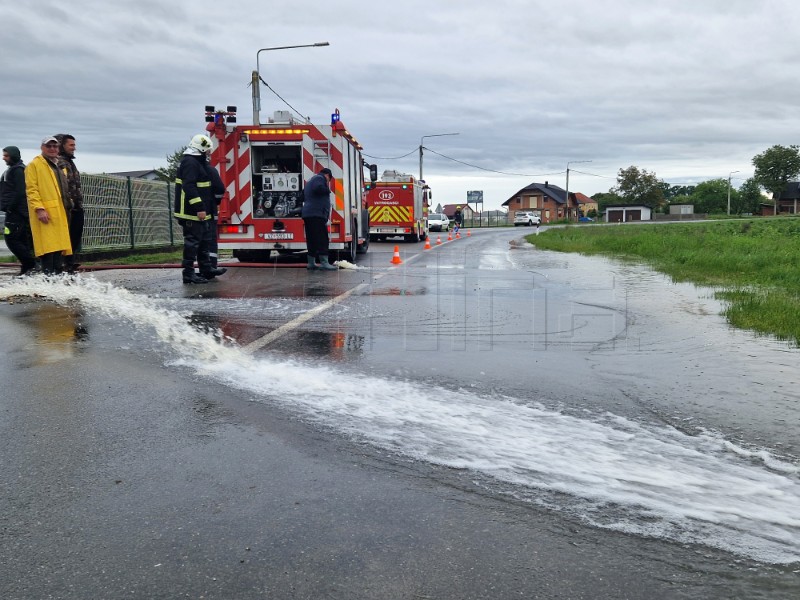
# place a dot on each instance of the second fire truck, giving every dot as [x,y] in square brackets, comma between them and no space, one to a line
[398,206]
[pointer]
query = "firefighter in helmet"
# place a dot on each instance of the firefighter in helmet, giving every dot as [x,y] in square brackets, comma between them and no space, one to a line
[194,209]
[458,218]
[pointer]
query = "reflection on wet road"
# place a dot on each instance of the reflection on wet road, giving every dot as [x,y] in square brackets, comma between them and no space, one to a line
[591,387]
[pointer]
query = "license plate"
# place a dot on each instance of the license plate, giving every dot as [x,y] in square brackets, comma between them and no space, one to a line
[278,236]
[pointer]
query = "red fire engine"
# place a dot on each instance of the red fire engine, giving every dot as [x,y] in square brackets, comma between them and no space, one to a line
[264,168]
[398,206]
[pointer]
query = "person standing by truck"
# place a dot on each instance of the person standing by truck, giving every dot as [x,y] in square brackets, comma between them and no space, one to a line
[14,203]
[48,202]
[66,162]
[316,215]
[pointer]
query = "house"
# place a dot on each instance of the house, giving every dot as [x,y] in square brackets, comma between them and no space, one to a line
[466,212]
[151,174]
[623,213]
[585,204]
[790,198]
[548,201]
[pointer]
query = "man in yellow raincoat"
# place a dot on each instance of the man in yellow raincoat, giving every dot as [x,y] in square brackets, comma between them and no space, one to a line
[46,187]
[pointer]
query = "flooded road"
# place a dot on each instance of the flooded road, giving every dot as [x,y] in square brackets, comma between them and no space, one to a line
[571,390]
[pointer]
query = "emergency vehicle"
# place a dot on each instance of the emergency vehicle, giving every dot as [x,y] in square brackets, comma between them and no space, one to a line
[398,206]
[264,168]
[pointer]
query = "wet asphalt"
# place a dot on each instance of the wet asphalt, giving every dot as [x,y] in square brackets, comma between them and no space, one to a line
[125,478]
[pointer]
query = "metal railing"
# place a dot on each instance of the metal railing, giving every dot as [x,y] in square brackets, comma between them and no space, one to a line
[127,213]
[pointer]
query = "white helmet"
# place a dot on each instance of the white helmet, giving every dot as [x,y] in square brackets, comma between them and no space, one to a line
[201,143]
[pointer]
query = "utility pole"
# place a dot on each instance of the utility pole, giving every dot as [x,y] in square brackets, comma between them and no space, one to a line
[566,199]
[420,149]
[255,80]
[729,191]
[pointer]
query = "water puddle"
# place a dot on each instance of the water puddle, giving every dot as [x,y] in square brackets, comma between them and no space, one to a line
[642,478]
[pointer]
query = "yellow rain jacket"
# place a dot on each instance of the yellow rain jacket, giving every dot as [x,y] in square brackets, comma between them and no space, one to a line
[44,192]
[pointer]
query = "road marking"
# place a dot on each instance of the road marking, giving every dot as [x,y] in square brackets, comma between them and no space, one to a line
[307,316]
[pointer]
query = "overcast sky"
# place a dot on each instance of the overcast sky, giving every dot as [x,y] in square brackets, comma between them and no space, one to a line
[690,90]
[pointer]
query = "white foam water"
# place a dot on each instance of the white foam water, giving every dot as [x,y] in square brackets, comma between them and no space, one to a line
[642,478]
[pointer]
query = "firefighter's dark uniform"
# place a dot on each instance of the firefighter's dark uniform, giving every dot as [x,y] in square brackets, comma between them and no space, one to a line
[193,195]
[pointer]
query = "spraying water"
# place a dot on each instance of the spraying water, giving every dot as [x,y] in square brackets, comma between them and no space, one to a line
[612,472]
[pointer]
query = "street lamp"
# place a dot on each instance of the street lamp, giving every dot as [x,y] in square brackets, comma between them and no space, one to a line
[256,80]
[729,191]
[420,148]
[566,200]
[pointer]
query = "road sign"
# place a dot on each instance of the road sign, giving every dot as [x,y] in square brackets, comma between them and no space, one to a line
[475,196]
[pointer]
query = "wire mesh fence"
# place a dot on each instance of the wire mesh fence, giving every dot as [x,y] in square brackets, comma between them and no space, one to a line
[124,212]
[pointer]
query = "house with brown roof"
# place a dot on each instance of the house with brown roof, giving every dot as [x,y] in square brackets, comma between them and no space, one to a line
[546,200]
[585,204]
[466,211]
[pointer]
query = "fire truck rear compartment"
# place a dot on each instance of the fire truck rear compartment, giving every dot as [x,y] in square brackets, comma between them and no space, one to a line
[277,180]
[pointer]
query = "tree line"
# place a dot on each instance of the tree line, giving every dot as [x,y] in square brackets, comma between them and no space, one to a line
[774,169]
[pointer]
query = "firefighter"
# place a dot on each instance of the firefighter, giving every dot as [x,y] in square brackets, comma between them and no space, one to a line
[194,208]
[218,189]
[316,216]
[458,218]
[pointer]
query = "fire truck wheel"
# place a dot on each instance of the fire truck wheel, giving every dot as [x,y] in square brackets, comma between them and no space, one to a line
[362,248]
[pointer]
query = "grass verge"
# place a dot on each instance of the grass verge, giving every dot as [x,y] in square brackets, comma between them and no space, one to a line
[752,264]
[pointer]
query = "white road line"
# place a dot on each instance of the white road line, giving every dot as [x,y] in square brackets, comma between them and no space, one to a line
[307,316]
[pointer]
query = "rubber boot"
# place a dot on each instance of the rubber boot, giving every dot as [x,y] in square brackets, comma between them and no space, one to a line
[192,277]
[312,265]
[325,265]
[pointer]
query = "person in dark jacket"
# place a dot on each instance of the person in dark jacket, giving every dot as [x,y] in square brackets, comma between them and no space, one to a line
[194,207]
[316,214]
[66,162]
[218,189]
[14,202]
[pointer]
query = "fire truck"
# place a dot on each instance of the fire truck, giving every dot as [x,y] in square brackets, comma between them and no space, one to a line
[398,206]
[264,168]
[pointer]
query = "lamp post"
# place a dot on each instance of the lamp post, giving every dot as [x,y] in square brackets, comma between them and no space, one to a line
[729,191]
[420,148]
[566,199]
[256,80]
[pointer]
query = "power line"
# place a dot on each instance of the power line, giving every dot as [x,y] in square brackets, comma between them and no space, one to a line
[297,112]
[490,170]
[389,158]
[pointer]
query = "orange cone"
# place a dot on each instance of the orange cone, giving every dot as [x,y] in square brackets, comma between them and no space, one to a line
[469,233]
[458,235]
[396,260]
[449,236]
[438,240]
[428,243]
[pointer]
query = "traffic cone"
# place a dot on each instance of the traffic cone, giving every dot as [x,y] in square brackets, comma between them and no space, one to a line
[438,240]
[449,237]
[428,243]
[469,233]
[396,260]
[458,235]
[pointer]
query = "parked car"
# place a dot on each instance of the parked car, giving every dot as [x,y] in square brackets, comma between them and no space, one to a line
[438,222]
[586,220]
[526,217]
